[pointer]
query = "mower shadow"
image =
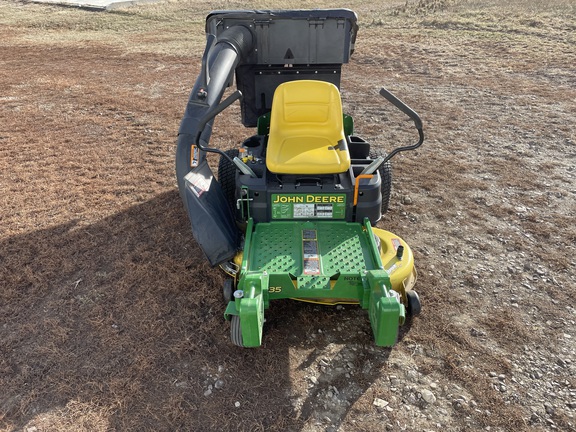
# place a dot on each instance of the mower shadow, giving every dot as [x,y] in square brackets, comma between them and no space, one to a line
[119,326]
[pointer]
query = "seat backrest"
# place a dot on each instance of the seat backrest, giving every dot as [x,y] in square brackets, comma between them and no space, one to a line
[306,130]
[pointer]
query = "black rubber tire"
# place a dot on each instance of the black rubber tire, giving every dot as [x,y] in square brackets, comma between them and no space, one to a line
[227,178]
[228,291]
[413,300]
[236,331]
[385,171]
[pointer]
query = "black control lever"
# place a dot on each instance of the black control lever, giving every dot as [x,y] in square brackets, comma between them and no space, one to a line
[402,107]
[213,112]
[410,113]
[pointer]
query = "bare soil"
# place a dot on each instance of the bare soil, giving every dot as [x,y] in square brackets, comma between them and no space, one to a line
[112,320]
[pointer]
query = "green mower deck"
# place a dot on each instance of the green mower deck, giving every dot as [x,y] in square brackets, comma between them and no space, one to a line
[330,262]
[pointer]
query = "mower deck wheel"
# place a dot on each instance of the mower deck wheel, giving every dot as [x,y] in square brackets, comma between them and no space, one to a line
[236,331]
[414,306]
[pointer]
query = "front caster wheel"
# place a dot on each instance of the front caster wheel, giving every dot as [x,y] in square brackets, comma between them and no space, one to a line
[236,331]
[413,301]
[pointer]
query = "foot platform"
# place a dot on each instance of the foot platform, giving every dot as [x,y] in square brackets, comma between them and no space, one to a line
[327,262]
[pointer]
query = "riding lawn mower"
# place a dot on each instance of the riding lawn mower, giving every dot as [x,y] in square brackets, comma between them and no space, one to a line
[291,214]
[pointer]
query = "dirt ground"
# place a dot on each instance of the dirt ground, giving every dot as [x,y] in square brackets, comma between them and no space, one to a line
[112,320]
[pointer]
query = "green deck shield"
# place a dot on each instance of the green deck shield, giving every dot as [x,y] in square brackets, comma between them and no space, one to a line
[251,308]
[385,310]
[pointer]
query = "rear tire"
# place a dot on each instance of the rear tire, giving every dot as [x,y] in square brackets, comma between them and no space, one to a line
[227,178]
[228,290]
[385,171]
[236,331]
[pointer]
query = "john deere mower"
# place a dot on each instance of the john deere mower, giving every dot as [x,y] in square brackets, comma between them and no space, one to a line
[291,214]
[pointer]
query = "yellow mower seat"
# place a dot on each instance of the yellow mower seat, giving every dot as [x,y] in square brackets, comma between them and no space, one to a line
[306,130]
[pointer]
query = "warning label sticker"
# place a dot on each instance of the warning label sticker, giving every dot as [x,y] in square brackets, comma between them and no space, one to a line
[309,234]
[310,248]
[311,259]
[311,266]
[197,183]
[313,211]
